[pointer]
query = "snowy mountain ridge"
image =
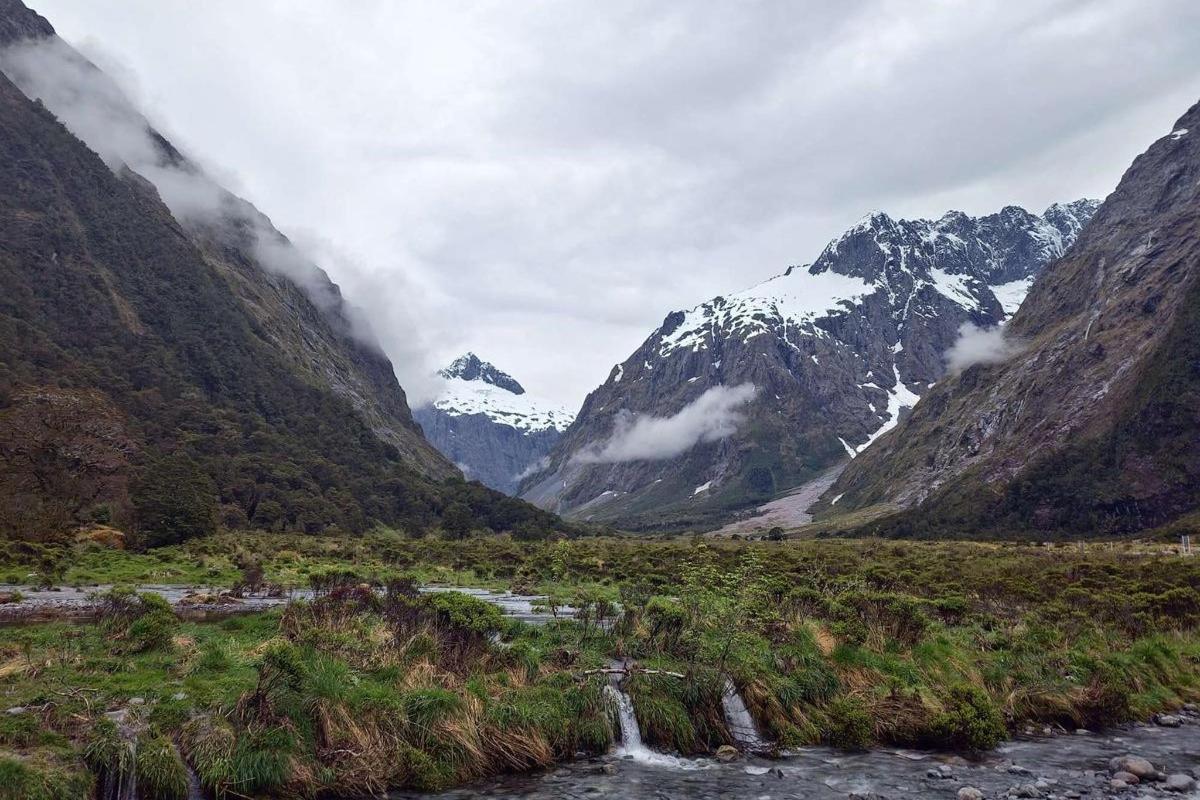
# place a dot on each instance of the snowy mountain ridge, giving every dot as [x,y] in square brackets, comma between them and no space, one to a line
[838,350]
[971,261]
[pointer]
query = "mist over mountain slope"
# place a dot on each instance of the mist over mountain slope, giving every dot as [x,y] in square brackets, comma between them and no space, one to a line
[828,355]
[1090,427]
[146,312]
[488,425]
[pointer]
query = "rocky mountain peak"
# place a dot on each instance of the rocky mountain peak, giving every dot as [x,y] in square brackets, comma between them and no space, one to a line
[470,367]
[838,352]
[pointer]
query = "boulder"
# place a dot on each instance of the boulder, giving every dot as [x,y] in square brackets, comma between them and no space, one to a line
[1179,782]
[1133,764]
[728,753]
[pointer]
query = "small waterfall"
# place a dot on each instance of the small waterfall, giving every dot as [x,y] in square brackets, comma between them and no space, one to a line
[740,723]
[631,735]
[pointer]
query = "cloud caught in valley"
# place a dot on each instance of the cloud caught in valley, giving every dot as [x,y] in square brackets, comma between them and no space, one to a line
[712,416]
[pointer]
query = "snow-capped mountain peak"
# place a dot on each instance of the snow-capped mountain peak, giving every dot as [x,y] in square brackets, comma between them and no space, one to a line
[474,386]
[470,367]
[486,423]
[839,350]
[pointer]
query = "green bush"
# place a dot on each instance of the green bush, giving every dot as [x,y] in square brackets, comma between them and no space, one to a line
[970,721]
[848,725]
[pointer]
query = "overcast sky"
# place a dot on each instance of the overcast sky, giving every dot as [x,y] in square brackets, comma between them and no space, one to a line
[542,182]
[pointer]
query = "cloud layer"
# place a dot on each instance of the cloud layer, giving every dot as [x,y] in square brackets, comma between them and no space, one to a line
[713,415]
[544,181]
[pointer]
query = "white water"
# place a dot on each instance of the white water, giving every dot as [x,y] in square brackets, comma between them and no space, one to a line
[631,735]
[740,723]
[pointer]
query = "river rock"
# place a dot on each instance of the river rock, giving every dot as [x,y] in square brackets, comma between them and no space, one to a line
[727,753]
[1027,790]
[609,769]
[1133,764]
[969,793]
[1128,777]
[1168,720]
[1118,785]
[1179,782]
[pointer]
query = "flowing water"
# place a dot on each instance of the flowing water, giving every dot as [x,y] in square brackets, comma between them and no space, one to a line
[631,747]
[80,603]
[738,720]
[1068,766]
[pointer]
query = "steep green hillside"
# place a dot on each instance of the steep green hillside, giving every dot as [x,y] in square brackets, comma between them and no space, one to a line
[121,344]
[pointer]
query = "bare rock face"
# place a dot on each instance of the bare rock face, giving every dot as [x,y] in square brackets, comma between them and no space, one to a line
[1093,427]
[836,351]
[489,426]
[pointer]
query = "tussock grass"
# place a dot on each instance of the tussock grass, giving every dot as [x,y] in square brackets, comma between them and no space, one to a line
[363,690]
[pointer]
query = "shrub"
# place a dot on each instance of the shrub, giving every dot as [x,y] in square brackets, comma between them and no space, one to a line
[848,725]
[970,721]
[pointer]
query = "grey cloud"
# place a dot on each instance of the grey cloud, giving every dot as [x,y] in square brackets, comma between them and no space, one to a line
[712,416]
[551,179]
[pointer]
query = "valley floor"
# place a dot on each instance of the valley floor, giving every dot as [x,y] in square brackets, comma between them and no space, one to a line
[360,683]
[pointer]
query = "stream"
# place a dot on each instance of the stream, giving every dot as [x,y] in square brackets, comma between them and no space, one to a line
[79,602]
[1066,766]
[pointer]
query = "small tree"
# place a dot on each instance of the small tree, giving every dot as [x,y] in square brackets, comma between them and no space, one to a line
[173,501]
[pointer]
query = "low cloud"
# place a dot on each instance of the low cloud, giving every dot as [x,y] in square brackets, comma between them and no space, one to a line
[96,110]
[976,345]
[535,467]
[712,416]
